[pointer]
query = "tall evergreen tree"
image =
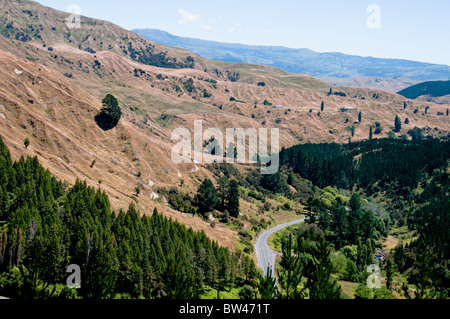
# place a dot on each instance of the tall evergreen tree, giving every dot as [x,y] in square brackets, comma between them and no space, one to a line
[389,272]
[207,197]
[319,283]
[398,124]
[291,272]
[233,199]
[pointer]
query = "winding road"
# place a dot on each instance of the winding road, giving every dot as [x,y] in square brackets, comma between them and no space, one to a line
[264,254]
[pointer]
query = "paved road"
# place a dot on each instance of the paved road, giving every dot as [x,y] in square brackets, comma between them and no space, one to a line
[265,255]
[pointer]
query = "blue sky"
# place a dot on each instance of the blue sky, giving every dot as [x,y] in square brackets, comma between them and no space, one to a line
[409,29]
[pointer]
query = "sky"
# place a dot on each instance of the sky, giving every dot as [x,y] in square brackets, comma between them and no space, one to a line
[405,29]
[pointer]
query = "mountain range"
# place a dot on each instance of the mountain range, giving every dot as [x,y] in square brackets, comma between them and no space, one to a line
[334,68]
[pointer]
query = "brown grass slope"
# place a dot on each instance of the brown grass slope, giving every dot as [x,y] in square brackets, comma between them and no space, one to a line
[52,97]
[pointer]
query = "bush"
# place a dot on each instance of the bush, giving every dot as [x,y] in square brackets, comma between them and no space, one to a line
[363,292]
[247,292]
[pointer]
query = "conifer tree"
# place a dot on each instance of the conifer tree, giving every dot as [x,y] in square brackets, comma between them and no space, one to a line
[398,124]
[207,197]
[389,272]
[291,272]
[319,283]
[267,285]
[233,199]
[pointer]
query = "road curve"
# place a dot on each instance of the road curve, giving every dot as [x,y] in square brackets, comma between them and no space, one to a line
[264,254]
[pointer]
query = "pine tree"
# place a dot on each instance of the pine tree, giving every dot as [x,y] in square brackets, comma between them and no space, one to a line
[398,124]
[267,285]
[222,192]
[322,106]
[207,197]
[110,114]
[371,133]
[355,202]
[423,275]
[290,272]
[319,283]
[389,272]
[360,117]
[233,199]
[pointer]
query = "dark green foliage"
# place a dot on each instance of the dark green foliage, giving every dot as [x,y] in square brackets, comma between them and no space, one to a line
[110,114]
[189,85]
[261,83]
[378,128]
[274,182]
[416,134]
[291,271]
[360,117]
[26,142]
[267,103]
[305,268]
[389,272]
[44,228]
[267,285]
[207,197]
[319,283]
[206,94]
[148,56]
[432,88]
[247,292]
[392,161]
[233,199]
[322,106]
[398,124]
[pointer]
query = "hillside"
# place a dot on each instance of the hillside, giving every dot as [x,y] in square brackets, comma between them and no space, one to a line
[431,89]
[304,61]
[52,97]
[369,168]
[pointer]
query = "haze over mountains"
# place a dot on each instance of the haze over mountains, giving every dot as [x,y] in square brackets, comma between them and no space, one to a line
[335,68]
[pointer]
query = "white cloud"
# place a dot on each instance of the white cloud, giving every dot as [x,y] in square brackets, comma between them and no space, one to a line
[187,17]
[234,27]
[206,27]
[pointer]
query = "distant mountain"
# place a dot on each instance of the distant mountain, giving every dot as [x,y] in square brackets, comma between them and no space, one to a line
[431,88]
[305,61]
